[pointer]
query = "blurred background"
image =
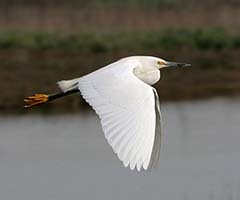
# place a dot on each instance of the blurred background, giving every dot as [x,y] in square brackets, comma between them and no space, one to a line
[42,42]
[57,151]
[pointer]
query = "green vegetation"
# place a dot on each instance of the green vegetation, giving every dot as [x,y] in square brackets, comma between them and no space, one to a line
[170,39]
[31,60]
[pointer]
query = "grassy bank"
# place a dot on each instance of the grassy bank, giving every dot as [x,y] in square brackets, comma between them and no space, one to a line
[213,39]
[32,62]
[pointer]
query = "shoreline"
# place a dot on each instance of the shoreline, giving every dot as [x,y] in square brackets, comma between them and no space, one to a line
[53,110]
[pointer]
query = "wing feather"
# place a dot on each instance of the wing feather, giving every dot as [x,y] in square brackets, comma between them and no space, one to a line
[157,141]
[127,110]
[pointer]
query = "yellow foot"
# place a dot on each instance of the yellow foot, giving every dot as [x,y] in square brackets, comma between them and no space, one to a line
[35,100]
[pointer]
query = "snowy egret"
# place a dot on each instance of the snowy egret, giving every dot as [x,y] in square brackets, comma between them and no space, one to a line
[128,107]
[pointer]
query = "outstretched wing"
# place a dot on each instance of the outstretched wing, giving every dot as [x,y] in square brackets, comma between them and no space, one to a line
[129,112]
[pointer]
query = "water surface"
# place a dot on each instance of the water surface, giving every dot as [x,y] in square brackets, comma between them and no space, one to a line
[66,157]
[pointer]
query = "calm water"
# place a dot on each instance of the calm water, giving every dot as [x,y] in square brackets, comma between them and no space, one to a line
[67,157]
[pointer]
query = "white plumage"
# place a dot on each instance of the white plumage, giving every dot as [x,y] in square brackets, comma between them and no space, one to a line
[127,105]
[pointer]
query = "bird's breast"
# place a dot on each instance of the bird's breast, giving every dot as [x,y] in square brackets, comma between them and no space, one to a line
[150,77]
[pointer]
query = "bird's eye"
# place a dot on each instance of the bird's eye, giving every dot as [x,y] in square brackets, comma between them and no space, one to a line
[161,63]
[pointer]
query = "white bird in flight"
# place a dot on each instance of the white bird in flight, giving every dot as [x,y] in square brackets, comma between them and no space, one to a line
[128,106]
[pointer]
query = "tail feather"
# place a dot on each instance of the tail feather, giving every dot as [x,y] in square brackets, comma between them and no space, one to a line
[68,85]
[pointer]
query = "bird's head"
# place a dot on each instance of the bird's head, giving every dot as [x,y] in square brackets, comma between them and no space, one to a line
[160,63]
